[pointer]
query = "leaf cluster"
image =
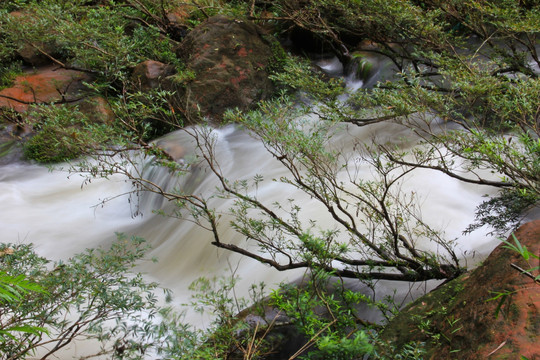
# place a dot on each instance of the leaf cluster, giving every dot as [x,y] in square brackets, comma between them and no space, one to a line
[90,296]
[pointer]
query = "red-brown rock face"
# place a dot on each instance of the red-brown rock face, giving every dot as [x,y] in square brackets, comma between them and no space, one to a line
[465,319]
[45,85]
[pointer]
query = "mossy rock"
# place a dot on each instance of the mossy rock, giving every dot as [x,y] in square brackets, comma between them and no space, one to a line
[491,311]
[230,60]
[52,146]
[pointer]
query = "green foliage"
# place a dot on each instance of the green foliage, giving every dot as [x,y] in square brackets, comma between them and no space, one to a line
[411,351]
[64,133]
[228,336]
[114,48]
[202,9]
[145,115]
[314,161]
[13,5]
[513,158]
[279,59]
[8,73]
[504,211]
[463,74]
[106,40]
[467,65]
[333,348]
[521,250]
[328,318]
[13,290]
[531,271]
[297,74]
[327,314]
[92,296]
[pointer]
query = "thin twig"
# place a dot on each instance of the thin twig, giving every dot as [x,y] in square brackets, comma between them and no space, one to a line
[525,272]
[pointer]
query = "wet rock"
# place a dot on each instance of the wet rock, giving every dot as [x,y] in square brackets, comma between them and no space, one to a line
[228,59]
[491,312]
[32,56]
[361,66]
[97,108]
[13,131]
[44,85]
[281,336]
[29,52]
[149,74]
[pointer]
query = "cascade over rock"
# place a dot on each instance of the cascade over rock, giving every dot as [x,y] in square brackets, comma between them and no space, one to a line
[461,319]
[229,59]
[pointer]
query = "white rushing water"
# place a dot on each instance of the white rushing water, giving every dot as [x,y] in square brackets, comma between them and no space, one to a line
[59,216]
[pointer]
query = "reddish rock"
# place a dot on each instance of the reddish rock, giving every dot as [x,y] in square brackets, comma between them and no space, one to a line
[229,59]
[29,52]
[97,108]
[148,74]
[464,320]
[179,15]
[44,85]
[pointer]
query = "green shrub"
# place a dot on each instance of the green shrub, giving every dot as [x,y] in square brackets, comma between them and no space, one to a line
[64,133]
[97,286]
[8,72]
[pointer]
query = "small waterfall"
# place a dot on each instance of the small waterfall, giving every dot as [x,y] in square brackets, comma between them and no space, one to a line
[185,251]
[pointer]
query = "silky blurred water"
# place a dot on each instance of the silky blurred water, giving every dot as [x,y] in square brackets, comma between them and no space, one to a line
[62,217]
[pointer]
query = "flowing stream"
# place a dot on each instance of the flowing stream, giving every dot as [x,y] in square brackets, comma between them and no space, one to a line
[61,218]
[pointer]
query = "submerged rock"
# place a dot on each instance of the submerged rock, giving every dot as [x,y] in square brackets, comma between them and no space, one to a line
[491,312]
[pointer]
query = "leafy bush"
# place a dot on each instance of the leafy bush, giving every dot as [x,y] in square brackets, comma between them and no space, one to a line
[13,290]
[91,296]
[104,40]
[64,133]
[8,73]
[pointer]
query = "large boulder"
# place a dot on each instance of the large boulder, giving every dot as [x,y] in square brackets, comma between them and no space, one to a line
[44,85]
[491,312]
[229,60]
